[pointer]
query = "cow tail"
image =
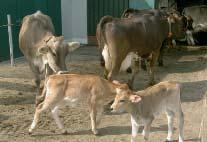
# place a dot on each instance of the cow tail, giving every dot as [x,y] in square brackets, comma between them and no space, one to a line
[100,31]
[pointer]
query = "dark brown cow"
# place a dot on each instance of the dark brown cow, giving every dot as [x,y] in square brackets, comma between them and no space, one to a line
[143,35]
[130,12]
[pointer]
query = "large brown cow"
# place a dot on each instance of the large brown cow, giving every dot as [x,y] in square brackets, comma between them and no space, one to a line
[44,51]
[143,35]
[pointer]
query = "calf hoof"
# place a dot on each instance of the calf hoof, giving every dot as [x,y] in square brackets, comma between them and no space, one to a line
[95,132]
[30,132]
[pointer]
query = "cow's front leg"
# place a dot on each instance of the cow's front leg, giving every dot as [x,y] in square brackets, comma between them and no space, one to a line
[151,66]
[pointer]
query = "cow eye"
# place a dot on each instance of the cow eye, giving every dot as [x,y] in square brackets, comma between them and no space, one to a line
[122,101]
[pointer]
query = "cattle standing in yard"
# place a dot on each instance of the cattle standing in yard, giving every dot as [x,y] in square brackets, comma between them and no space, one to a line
[197,24]
[130,12]
[145,105]
[44,51]
[142,35]
[74,89]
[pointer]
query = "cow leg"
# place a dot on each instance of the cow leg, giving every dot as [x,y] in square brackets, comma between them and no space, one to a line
[160,57]
[115,68]
[35,71]
[135,70]
[151,67]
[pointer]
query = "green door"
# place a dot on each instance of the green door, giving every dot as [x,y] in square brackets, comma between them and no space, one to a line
[99,8]
[18,9]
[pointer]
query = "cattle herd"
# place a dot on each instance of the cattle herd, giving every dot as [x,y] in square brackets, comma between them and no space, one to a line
[139,35]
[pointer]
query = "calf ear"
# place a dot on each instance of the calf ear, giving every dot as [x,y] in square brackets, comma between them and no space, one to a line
[135,98]
[43,49]
[72,46]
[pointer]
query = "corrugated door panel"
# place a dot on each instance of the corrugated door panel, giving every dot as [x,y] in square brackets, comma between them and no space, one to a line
[99,8]
[7,7]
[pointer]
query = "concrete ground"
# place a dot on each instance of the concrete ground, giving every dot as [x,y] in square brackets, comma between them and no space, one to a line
[17,95]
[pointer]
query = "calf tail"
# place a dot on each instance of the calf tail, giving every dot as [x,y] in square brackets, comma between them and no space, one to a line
[100,34]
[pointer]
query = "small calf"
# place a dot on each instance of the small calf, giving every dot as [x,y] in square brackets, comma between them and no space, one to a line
[74,89]
[146,104]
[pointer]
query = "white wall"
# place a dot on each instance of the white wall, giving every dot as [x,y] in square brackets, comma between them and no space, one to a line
[74,20]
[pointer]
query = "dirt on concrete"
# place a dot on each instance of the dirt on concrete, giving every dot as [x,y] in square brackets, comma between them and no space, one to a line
[17,100]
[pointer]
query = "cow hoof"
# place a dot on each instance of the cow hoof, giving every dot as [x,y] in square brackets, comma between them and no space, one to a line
[151,83]
[129,70]
[160,64]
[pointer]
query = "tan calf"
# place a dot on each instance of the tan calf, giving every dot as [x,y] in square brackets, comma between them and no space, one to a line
[76,89]
[145,105]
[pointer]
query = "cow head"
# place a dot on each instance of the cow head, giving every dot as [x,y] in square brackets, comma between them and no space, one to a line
[124,99]
[54,51]
[177,25]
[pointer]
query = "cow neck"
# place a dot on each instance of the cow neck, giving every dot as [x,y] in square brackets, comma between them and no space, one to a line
[170,28]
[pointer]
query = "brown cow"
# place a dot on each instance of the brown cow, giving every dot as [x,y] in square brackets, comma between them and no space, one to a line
[143,35]
[44,51]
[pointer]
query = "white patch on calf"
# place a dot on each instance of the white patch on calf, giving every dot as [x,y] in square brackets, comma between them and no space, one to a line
[126,63]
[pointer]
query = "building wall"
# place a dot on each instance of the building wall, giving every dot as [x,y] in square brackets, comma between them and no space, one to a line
[74,20]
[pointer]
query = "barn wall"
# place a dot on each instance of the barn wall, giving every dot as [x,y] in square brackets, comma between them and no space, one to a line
[18,9]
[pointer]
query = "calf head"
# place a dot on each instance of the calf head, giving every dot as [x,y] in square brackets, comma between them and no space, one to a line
[54,51]
[124,99]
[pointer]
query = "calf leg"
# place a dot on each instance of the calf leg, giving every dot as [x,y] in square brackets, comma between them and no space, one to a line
[170,117]
[39,109]
[135,128]
[57,119]
[181,124]
[146,129]
[93,114]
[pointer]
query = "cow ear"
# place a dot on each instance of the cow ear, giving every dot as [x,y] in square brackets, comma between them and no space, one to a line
[43,49]
[135,98]
[71,46]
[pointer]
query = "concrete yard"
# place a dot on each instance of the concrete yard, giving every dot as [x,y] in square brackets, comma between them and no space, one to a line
[17,97]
